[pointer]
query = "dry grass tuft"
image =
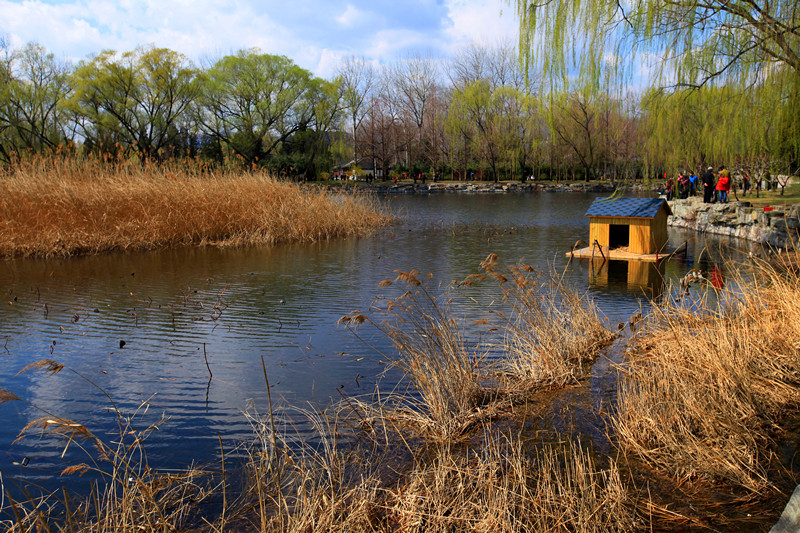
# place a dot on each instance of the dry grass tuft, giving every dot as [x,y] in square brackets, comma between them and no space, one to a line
[59,207]
[705,392]
[299,485]
[504,487]
[7,396]
[434,355]
[553,333]
[48,365]
[498,484]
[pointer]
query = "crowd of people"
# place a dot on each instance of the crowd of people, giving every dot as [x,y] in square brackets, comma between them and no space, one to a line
[715,187]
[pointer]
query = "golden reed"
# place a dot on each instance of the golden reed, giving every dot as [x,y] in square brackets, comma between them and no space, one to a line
[69,206]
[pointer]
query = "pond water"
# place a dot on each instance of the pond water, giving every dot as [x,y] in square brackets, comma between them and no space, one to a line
[146,328]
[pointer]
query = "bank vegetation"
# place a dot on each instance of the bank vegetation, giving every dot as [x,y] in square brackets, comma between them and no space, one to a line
[480,115]
[66,206]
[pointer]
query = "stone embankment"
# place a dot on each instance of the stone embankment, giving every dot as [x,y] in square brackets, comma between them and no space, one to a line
[776,227]
[482,187]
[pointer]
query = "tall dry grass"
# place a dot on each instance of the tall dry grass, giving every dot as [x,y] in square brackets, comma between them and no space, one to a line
[706,391]
[65,206]
[432,353]
[552,333]
[506,486]
[543,335]
[499,483]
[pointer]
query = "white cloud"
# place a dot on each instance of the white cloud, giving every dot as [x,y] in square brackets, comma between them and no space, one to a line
[352,16]
[328,61]
[388,44]
[485,22]
[315,34]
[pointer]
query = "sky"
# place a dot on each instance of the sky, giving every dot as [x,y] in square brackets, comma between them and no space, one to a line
[315,34]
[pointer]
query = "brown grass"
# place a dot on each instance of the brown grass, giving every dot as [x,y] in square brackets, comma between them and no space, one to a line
[705,393]
[507,487]
[544,335]
[58,207]
[500,484]
[553,333]
[434,354]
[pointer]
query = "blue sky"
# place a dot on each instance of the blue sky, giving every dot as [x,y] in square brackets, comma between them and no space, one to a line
[316,34]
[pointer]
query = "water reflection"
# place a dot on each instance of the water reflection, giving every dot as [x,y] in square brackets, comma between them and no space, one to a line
[642,277]
[175,310]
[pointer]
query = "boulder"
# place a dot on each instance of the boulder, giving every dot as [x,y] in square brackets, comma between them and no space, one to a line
[789,521]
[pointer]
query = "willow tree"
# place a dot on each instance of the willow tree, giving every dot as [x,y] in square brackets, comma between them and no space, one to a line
[34,87]
[253,102]
[752,47]
[134,101]
[693,41]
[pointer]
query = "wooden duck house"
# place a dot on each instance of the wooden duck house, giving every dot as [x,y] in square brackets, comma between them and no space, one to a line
[627,228]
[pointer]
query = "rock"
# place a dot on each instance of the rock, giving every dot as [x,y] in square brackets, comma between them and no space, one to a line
[778,225]
[744,215]
[789,521]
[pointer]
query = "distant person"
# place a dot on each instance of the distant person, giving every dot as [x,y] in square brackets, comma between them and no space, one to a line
[745,183]
[669,184]
[723,184]
[693,184]
[683,186]
[708,186]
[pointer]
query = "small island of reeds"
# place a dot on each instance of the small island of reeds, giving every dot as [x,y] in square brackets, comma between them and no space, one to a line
[71,206]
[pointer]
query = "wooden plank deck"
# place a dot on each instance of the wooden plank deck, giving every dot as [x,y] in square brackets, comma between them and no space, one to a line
[616,255]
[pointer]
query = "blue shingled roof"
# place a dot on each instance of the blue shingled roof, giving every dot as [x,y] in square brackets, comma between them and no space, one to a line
[626,207]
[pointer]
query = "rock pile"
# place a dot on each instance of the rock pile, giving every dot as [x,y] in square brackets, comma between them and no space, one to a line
[776,227]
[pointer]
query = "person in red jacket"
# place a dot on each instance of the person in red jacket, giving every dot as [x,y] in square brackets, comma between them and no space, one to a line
[723,184]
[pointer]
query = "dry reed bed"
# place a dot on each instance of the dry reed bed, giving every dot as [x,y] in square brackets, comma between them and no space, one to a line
[58,207]
[502,484]
[547,335]
[705,393]
[506,487]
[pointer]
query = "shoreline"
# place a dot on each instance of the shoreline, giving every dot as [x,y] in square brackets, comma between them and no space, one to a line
[777,226]
[472,187]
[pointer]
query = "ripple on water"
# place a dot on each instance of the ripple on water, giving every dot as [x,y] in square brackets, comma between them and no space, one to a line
[181,312]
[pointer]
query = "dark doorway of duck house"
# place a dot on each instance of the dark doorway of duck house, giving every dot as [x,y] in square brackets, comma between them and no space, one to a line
[618,236]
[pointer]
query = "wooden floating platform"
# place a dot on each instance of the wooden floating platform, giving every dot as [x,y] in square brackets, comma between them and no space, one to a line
[617,254]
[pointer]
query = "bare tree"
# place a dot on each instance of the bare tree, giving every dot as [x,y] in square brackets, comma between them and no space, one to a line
[357,77]
[414,80]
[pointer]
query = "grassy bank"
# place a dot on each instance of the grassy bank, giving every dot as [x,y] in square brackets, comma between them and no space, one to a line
[709,394]
[705,412]
[60,207]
